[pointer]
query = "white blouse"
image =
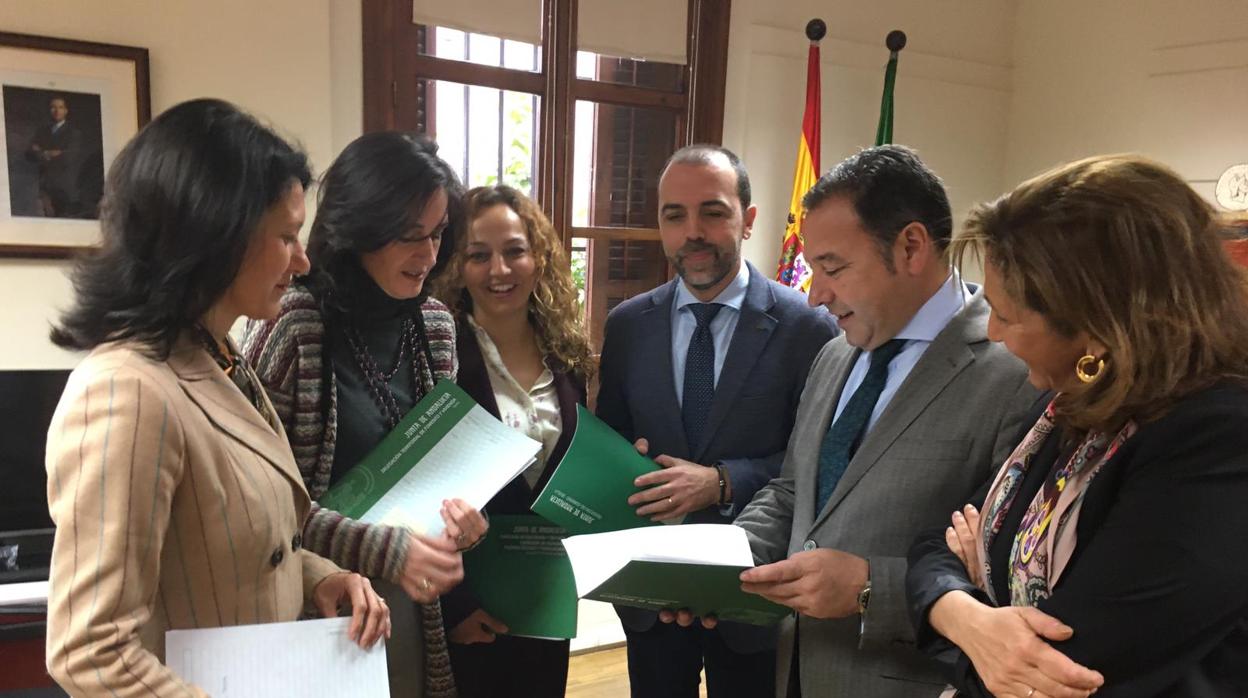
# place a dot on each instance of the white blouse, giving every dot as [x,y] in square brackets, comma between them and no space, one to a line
[534,412]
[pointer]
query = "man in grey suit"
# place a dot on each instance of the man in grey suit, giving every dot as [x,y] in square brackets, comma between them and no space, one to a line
[901,419]
[706,372]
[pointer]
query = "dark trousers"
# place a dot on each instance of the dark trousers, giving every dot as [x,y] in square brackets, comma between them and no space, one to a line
[522,667]
[664,662]
[795,670]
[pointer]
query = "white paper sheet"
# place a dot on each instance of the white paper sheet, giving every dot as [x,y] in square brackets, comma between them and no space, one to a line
[473,462]
[311,659]
[595,557]
[24,594]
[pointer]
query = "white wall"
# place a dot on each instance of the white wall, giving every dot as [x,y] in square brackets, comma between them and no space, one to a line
[294,63]
[952,93]
[990,92]
[1162,78]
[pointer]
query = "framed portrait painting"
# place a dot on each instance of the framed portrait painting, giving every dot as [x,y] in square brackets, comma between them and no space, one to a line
[66,109]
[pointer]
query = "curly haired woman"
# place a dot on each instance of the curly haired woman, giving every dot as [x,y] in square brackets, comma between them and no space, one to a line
[525,357]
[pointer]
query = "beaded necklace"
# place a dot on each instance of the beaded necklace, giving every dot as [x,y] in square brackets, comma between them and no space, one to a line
[412,346]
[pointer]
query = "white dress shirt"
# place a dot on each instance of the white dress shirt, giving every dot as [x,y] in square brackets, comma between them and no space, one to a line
[534,412]
[722,325]
[948,301]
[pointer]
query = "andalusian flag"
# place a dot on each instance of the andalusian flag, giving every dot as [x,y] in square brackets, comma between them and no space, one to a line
[793,271]
[895,41]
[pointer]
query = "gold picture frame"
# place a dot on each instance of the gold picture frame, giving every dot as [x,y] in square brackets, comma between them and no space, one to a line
[66,109]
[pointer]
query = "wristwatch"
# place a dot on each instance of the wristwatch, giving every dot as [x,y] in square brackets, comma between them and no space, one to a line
[864,597]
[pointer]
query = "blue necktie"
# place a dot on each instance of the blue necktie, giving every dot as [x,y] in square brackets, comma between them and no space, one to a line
[842,439]
[699,390]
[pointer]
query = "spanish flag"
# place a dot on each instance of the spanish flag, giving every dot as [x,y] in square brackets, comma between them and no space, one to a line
[792,270]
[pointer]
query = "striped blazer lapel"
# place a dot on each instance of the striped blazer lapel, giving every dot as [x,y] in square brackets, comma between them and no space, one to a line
[229,410]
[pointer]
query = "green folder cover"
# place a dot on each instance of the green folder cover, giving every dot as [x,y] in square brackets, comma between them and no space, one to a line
[446,446]
[521,575]
[589,491]
[700,588]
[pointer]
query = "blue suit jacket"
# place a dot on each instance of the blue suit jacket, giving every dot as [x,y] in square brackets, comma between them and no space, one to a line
[756,398]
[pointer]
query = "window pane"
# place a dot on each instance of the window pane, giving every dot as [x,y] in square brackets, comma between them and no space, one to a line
[485,50]
[613,271]
[580,268]
[488,136]
[627,71]
[619,153]
[482,49]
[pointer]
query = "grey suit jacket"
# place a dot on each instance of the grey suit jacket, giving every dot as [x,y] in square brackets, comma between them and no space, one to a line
[950,424]
[752,413]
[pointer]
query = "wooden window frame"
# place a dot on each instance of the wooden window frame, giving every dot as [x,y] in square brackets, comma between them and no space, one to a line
[393,98]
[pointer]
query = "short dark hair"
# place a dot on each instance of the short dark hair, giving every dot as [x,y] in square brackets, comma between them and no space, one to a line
[704,154]
[889,187]
[181,203]
[364,204]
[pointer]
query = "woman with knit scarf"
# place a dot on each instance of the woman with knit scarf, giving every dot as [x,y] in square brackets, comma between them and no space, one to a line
[357,343]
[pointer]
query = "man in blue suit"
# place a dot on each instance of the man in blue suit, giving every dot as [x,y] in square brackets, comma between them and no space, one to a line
[706,372]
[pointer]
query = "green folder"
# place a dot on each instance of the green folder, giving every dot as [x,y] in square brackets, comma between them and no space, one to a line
[589,491]
[702,589]
[521,575]
[446,446]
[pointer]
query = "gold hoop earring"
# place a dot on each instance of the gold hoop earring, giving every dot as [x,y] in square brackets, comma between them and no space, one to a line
[1081,368]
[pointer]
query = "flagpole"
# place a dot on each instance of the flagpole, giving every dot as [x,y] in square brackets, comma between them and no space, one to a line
[895,41]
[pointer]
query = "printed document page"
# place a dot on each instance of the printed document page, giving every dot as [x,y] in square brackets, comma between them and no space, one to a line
[311,658]
[596,557]
[473,462]
[446,447]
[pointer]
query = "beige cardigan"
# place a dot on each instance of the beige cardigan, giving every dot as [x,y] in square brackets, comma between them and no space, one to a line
[177,506]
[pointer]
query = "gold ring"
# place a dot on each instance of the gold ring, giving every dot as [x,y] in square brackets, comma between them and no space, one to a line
[1030,693]
[424,584]
[461,538]
[669,500]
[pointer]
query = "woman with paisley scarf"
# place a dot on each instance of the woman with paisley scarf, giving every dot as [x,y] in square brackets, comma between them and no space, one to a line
[1106,556]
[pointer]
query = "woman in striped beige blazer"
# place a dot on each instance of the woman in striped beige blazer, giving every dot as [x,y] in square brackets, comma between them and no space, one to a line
[177,500]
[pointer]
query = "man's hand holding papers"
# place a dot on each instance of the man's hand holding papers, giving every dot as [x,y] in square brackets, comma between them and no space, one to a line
[820,583]
[680,488]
